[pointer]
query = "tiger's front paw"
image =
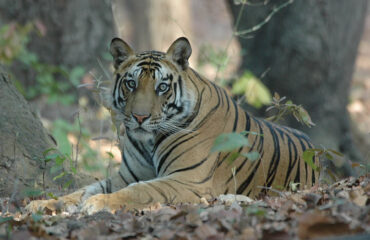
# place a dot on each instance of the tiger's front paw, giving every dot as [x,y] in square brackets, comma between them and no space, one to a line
[67,203]
[99,202]
[41,205]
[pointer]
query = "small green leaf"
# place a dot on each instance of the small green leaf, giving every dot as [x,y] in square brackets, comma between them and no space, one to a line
[228,142]
[335,152]
[252,156]
[50,157]
[67,184]
[51,195]
[73,170]
[232,157]
[5,219]
[256,93]
[33,192]
[55,169]
[110,154]
[48,150]
[251,132]
[308,156]
[329,156]
[59,176]
[256,211]
[36,217]
[59,160]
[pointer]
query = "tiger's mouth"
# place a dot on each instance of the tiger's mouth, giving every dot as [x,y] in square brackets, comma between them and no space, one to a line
[140,129]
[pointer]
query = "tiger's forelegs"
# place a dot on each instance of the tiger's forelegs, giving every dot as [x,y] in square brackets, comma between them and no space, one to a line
[144,194]
[71,201]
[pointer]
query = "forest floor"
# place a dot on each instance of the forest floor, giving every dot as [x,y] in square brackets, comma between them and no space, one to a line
[337,211]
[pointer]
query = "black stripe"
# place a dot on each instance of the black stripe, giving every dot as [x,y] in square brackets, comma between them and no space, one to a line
[236,115]
[170,186]
[128,167]
[245,184]
[187,150]
[122,177]
[297,176]
[218,92]
[120,99]
[163,158]
[139,147]
[118,76]
[223,159]
[210,174]
[191,189]
[195,193]
[108,184]
[158,190]
[206,82]
[227,100]
[190,167]
[102,187]
[303,149]
[291,164]
[180,85]
[273,167]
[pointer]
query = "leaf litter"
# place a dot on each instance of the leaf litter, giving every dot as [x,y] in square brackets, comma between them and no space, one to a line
[339,209]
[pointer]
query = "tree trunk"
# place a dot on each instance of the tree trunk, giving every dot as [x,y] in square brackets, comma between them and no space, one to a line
[76,32]
[309,48]
[23,140]
[149,26]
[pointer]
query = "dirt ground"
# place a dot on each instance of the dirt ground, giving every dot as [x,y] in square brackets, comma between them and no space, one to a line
[337,211]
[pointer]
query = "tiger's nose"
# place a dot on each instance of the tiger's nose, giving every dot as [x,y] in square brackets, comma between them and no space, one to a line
[140,118]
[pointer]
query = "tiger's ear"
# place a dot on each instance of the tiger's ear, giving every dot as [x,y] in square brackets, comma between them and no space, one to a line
[120,51]
[180,51]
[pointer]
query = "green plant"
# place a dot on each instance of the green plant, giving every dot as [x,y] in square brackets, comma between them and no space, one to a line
[57,82]
[288,107]
[58,160]
[254,91]
[334,156]
[13,40]
[229,142]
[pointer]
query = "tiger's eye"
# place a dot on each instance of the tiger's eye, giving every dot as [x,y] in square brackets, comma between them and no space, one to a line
[130,84]
[163,87]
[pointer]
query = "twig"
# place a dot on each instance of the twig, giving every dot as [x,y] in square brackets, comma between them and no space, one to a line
[273,190]
[266,20]
[106,73]
[78,139]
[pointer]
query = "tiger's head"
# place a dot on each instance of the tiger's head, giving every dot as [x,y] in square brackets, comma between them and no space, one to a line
[150,92]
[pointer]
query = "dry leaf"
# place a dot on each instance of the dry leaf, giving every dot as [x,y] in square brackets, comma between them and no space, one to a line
[316,225]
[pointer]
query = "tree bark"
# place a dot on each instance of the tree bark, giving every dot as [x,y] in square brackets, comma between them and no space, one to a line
[23,140]
[309,48]
[149,27]
[76,32]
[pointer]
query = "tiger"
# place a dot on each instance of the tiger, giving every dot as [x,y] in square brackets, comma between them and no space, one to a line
[171,116]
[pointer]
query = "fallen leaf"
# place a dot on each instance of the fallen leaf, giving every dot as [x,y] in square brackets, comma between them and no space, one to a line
[316,224]
[358,197]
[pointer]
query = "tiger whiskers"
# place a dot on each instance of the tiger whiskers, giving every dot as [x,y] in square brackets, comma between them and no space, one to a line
[172,127]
